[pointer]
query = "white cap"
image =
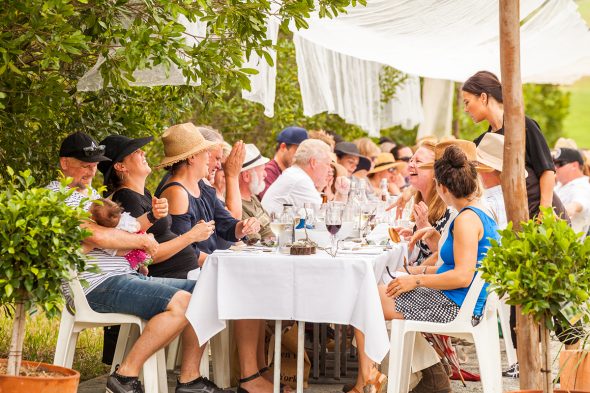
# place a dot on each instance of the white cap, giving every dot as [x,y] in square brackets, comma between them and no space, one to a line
[253,158]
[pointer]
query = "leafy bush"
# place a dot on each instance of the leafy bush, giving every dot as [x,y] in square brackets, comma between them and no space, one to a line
[40,240]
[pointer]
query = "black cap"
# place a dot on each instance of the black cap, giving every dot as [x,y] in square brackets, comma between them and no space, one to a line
[82,147]
[566,155]
[117,147]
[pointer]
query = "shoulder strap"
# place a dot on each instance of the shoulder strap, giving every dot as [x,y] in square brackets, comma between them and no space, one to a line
[173,183]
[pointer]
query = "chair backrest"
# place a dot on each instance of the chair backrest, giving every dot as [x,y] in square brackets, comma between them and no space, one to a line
[466,311]
[77,293]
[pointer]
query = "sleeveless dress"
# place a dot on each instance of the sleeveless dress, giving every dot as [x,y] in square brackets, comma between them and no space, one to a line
[442,306]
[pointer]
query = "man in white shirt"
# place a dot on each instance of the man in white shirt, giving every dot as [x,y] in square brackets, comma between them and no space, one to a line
[300,183]
[573,187]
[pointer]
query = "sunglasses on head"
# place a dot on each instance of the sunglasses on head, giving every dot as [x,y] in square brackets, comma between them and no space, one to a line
[93,150]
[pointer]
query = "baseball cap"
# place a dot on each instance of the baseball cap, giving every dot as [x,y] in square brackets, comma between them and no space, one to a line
[253,158]
[292,135]
[82,147]
[566,155]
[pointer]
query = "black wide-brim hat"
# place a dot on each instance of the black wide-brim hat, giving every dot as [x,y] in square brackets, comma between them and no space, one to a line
[117,147]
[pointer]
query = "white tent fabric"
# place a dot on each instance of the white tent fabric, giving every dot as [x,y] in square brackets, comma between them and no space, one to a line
[437,101]
[453,39]
[345,85]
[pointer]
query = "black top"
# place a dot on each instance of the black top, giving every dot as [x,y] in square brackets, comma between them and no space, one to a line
[424,250]
[206,207]
[180,263]
[537,160]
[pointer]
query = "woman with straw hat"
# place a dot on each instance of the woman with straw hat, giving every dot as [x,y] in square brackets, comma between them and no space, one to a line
[385,167]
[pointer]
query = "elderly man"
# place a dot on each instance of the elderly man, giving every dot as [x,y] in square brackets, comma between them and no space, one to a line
[251,183]
[573,187]
[287,142]
[300,183]
[161,301]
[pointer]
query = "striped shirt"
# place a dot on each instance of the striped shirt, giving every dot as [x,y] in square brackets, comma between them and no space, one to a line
[108,265]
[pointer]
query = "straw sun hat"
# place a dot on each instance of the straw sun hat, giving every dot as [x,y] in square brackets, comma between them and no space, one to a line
[182,141]
[383,162]
[467,147]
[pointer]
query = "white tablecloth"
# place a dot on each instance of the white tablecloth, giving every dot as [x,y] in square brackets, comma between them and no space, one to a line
[315,288]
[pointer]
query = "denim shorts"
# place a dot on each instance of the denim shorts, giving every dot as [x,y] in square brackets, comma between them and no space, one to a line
[137,295]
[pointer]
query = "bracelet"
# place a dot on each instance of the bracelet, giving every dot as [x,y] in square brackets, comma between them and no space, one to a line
[151,218]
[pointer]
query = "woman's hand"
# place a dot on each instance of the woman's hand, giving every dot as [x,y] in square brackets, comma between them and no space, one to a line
[233,163]
[429,235]
[404,232]
[421,215]
[247,227]
[401,202]
[202,231]
[400,285]
[159,207]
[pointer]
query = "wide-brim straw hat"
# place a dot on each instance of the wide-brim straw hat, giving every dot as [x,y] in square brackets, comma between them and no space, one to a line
[182,141]
[466,147]
[383,162]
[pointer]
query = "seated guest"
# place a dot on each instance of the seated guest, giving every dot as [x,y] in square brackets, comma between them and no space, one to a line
[349,156]
[251,183]
[338,185]
[402,153]
[323,136]
[435,293]
[300,183]
[386,144]
[115,287]
[386,168]
[219,177]
[287,142]
[573,187]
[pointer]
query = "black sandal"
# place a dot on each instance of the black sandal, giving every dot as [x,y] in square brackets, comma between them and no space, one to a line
[247,379]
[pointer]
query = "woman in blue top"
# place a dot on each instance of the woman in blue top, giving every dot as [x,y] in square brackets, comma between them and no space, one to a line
[435,293]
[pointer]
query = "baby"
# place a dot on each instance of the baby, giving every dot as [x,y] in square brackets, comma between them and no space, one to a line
[110,214]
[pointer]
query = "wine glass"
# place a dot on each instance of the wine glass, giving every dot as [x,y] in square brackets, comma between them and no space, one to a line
[333,224]
[277,225]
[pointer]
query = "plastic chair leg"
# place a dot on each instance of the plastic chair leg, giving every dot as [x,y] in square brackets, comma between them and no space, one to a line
[487,346]
[124,343]
[66,329]
[172,353]
[204,367]
[400,359]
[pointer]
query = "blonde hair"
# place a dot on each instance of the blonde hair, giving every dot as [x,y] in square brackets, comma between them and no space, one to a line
[322,136]
[367,147]
[436,207]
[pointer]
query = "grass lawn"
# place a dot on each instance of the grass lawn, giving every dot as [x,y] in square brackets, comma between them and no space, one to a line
[577,124]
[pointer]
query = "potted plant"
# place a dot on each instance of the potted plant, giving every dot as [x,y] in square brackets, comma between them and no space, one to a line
[574,364]
[542,268]
[40,240]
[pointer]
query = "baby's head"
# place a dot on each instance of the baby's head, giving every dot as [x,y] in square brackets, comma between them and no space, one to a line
[106,213]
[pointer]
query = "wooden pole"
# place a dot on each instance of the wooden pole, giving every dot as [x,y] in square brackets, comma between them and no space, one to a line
[513,178]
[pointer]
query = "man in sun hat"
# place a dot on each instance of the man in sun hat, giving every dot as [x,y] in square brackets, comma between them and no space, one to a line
[288,141]
[573,187]
[251,183]
[115,287]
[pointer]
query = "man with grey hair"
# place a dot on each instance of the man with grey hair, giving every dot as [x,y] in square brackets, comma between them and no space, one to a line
[300,183]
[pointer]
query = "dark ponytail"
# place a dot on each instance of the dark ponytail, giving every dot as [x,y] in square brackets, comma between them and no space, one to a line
[484,82]
[454,171]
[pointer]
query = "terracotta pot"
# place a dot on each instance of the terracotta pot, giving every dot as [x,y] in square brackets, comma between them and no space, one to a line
[68,383]
[541,391]
[574,375]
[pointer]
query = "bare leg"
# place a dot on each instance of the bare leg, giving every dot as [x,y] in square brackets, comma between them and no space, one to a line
[192,353]
[158,332]
[247,337]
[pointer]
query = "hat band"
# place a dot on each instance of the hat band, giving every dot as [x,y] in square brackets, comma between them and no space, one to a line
[252,161]
[383,164]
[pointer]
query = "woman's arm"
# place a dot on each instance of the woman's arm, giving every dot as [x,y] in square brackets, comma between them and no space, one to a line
[198,233]
[546,184]
[467,232]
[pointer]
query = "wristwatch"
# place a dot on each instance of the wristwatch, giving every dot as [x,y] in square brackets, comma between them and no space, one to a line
[151,218]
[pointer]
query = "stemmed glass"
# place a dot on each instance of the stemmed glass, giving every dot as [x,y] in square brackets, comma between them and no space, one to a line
[333,224]
[277,225]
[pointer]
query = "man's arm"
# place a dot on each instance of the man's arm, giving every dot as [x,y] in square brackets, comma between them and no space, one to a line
[111,238]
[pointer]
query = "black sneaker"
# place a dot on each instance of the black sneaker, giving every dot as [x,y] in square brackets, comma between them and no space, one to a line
[512,372]
[200,385]
[120,384]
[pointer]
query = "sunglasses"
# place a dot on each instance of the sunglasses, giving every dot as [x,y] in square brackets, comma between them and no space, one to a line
[405,159]
[391,170]
[559,164]
[93,150]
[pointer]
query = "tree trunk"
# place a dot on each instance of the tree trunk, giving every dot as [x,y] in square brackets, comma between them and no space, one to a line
[513,179]
[15,352]
[546,350]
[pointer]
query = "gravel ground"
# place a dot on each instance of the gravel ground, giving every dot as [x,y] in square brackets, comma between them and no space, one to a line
[97,385]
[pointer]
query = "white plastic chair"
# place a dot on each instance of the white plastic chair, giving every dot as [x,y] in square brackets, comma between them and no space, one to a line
[504,314]
[485,336]
[154,369]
